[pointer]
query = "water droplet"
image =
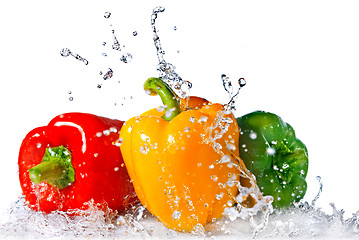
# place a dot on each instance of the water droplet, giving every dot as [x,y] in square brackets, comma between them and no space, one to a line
[38,145]
[225,159]
[145,138]
[107,15]
[160,108]
[65,52]
[126,58]
[175,28]
[285,166]
[71,98]
[186,129]
[104,54]
[253,135]
[242,82]
[98,134]
[211,166]
[134,33]
[115,44]
[108,74]
[203,119]
[219,196]
[169,112]
[116,169]
[214,178]
[99,85]
[113,129]
[192,119]
[118,142]
[231,147]
[270,151]
[176,215]
[106,132]
[144,149]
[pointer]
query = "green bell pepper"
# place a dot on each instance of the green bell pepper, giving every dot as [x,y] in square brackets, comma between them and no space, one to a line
[271,151]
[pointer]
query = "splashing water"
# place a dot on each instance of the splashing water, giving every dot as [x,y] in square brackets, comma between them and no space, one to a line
[167,70]
[228,87]
[115,43]
[218,129]
[304,221]
[126,58]
[320,190]
[242,208]
[65,52]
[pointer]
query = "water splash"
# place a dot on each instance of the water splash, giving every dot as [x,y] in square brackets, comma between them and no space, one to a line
[126,58]
[167,70]
[65,52]
[107,15]
[304,221]
[108,74]
[320,190]
[115,44]
[228,87]
[222,123]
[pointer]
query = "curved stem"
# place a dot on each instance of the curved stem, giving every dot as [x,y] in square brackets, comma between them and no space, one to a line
[55,168]
[155,86]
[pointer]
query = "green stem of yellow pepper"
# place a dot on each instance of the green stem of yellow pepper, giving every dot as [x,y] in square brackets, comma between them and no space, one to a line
[155,86]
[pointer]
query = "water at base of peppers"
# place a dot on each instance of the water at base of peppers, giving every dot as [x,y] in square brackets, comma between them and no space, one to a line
[304,221]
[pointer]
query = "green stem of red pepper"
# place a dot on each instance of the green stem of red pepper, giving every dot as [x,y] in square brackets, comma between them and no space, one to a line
[55,168]
[155,86]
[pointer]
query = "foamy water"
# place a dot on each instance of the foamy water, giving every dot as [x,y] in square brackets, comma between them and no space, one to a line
[305,221]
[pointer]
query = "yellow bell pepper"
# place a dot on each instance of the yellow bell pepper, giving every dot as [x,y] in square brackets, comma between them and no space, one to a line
[180,159]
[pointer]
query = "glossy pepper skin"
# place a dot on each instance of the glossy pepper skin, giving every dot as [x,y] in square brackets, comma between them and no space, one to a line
[273,153]
[181,173]
[73,160]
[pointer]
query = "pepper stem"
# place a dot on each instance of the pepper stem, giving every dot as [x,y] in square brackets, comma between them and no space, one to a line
[155,86]
[55,168]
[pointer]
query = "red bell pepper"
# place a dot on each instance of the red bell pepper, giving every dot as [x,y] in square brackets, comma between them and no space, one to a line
[73,161]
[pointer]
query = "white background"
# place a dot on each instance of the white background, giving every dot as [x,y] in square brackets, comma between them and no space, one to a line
[300,60]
